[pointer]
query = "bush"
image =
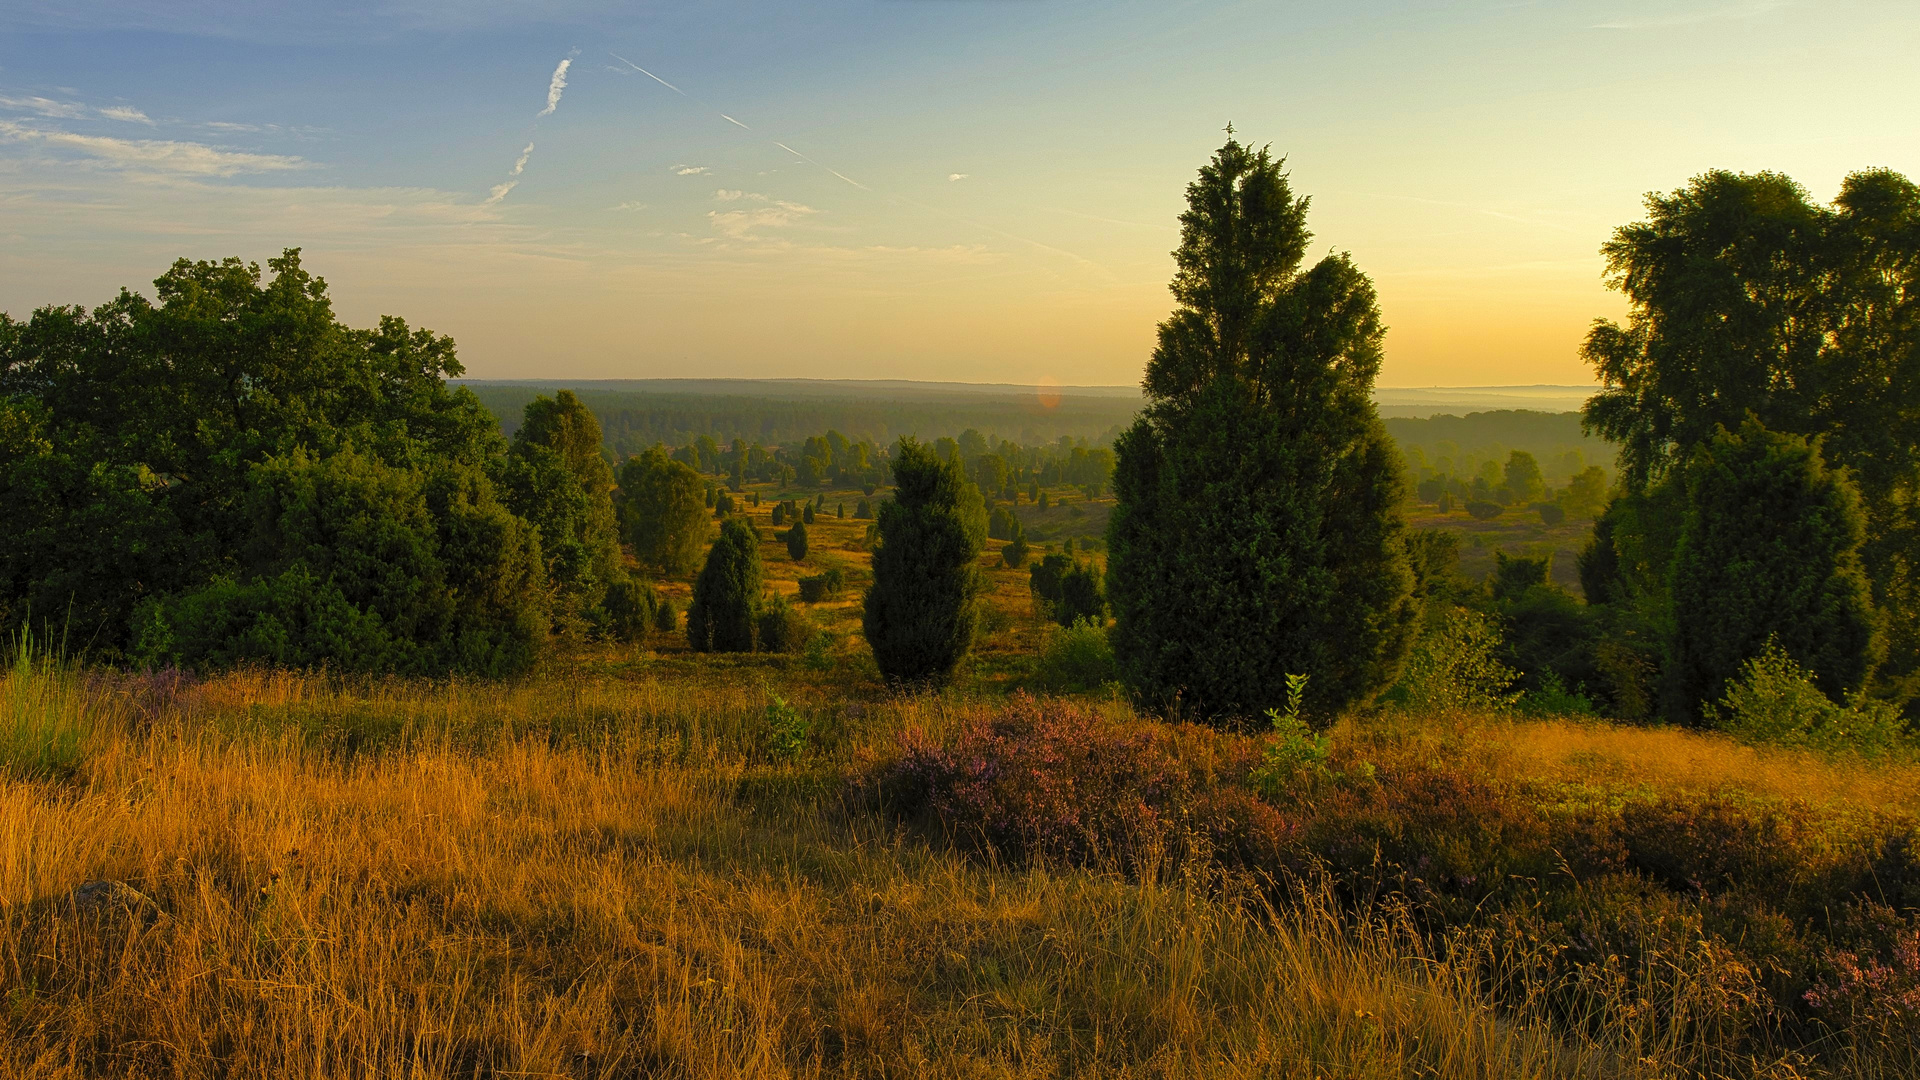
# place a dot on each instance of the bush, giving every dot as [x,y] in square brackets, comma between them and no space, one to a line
[1552,514]
[726,596]
[821,587]
[779,516]
[1014,554]
[782,627]
[665,618]
[787,730]
[1455,667]
[920,615]
[1481,510]
[863,511]
[797,542]
[806,514]
[1043,780]
[631,605]
[1076,659]
[1775,700]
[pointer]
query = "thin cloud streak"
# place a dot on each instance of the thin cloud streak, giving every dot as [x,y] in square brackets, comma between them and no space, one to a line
[154,155]
[555,87]
[650,75]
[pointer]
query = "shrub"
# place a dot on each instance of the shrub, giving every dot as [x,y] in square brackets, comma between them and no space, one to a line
[806,514]
[1455,667]
[787,730]
[919,614]
[782,627]
[1076,659]
[1552,514]
[1482,510]
[863,511]
[1014,554]
[779,516]
[665,618]
[1775,700]
[1043,780]
[797,542]
[631,605]
[726,596]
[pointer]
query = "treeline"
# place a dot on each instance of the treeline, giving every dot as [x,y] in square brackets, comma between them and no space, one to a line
[1001,469]
[633,421]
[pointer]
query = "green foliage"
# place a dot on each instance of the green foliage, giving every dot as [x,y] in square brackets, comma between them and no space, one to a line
[631,606]
[1001,524]
[1455,668]
[1076,659]
[1484,510]
[132,443]
[779,515]
[45,723]
[662,512]
[822,587]
[863,511]
[1775,700]
[797,542]
[781,627]
[1769,549]
[806,514]
[788,730]
[1258,529]
[1552,698]
[726,595]
[920,616]
[361,566]
[1014,554]
[1749,299]
[665,618]
[1523,482]
[1067,590]
[1552,515]
[557,480]
[1295,751]
[1585,495]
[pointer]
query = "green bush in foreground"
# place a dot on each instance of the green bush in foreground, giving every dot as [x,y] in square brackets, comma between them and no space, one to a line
[1775,700]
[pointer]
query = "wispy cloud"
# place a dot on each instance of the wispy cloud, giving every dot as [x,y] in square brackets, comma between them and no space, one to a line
[555,87]
[631,206]
[513,176]
[951,177]
[691,170]
[734,195]
[742,224]
[126,114]
[47,107]
[734,122]
[154,155]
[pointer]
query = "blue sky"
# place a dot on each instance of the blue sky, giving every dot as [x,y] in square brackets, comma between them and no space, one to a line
[980,190]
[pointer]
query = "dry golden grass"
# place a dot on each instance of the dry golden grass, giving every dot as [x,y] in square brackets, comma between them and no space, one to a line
[591,877]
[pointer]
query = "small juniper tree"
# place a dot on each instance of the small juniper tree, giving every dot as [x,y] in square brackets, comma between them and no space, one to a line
[726,596]
[806,514]
[1769,550]
[920,614]
[797,542]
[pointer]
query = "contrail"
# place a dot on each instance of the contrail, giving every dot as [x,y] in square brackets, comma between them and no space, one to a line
[1082,260]
[555,88]
[654,77]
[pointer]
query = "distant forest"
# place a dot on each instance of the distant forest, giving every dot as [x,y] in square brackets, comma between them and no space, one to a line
[632,421]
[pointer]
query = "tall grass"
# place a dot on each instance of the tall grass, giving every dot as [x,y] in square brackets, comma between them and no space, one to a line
[47,714]
[600,877]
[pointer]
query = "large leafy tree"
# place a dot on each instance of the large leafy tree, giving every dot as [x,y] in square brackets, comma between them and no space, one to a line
[1258,531]
[1749,299]
[144,438]
[663,511]
[920,615]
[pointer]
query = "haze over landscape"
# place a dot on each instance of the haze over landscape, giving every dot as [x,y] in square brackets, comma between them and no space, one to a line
[979,192]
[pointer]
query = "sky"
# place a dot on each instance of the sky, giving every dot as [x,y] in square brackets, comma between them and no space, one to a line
[966,190]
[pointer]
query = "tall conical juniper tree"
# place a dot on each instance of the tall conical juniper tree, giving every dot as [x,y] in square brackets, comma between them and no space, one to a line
[726,595]
[1258,531]
[920,610]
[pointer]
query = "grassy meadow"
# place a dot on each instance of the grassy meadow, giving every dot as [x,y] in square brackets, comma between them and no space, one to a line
[635,863]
